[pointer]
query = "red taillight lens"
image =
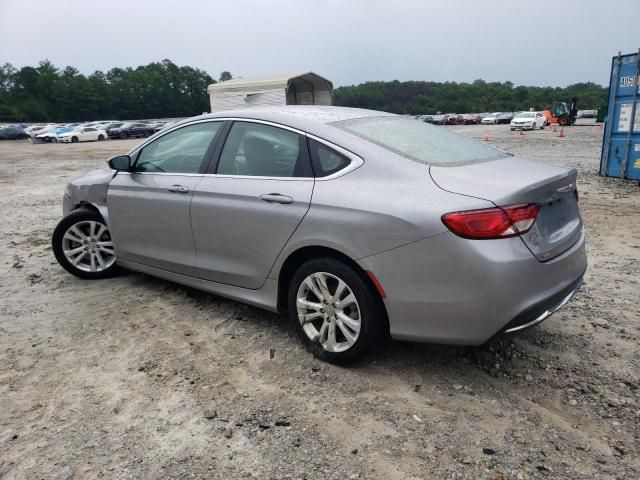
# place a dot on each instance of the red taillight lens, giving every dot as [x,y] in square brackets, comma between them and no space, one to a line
[496,222]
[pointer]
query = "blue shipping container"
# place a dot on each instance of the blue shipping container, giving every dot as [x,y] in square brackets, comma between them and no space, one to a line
[621,143]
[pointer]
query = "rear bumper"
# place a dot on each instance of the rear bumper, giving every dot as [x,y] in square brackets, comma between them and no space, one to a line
[538,313]
[446,289]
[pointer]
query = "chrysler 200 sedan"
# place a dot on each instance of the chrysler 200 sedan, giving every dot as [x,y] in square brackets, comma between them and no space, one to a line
[359,224]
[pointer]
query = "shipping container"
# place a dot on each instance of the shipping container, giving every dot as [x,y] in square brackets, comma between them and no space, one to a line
[621,142]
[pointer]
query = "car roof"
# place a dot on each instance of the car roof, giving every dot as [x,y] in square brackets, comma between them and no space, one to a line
[300,115]
[313,119]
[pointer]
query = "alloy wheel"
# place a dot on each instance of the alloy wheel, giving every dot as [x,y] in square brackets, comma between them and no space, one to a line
[87,245]
[328,312]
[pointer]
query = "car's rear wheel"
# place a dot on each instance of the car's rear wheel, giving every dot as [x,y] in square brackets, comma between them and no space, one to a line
[53,140]
[123,135]
[74,140]
[100,138]
[83,246]
[334,310]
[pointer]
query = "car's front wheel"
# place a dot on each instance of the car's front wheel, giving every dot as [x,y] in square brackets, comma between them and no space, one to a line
[334,310]
[83,246]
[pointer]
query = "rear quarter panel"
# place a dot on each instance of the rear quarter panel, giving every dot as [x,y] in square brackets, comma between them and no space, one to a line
[386,203]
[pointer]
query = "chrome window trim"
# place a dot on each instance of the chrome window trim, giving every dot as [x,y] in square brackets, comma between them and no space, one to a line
[121,172]
[355,163]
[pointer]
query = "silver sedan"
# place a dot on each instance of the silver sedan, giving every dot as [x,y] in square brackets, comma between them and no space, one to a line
[359,224]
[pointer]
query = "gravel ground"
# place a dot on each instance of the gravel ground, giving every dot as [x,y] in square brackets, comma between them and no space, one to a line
[135,377]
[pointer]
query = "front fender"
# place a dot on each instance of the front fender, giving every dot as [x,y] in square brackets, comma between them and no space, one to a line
[90,189]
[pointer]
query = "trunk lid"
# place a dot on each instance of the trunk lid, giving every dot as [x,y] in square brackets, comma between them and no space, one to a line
[514,180]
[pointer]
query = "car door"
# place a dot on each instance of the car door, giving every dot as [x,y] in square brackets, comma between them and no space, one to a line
[149,206]
[89,134]
[245,211]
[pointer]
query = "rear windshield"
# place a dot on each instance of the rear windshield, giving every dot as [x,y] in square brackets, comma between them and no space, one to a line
[420,141]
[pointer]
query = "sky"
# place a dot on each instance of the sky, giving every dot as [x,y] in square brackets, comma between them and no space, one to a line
[539,42]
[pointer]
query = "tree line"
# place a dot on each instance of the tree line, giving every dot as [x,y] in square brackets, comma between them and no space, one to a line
[157,90]
[163,90]
[452,97]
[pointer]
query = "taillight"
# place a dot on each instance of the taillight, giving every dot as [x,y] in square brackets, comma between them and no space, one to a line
[499,222]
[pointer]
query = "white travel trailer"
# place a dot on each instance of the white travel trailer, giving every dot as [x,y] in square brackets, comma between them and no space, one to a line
[305,88]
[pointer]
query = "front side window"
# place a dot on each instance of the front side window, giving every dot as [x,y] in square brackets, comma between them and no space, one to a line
[420,141]
[180,151]
[255,149]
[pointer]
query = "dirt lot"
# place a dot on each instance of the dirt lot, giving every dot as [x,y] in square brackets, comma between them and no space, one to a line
[136,377]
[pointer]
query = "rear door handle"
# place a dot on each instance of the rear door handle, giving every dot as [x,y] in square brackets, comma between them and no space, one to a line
[276,198]
[178,189]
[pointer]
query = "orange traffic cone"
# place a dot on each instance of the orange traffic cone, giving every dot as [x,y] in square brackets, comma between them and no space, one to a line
[562,135]
[486,138]
[522,134]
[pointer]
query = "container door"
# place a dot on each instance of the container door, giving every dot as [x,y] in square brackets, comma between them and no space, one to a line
[621,144]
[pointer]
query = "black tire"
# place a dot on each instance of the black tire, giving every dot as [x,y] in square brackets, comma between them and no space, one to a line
[74,140]
[73,218]
[52,140]
[100,137]
[147,134]
[372,316]
[123,135]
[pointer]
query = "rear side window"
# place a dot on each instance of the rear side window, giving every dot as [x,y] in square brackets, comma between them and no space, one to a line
[421,142]
[325,160]
[259,150]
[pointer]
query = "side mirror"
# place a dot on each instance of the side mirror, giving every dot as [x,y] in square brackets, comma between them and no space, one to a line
[121,163]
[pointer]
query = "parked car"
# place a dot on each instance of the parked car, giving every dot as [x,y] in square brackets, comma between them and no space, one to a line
[427,118]
[131,129]
[490,119]
[13,133]
[587,113]
[472,119]
[504,117]
[34,130]
[82,134]
[50,135]
[438,119]
[528,120]
[495,246]
[111,126]
[454,119]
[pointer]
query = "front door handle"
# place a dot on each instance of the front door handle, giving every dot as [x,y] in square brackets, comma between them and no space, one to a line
[178,189]
[276,198]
